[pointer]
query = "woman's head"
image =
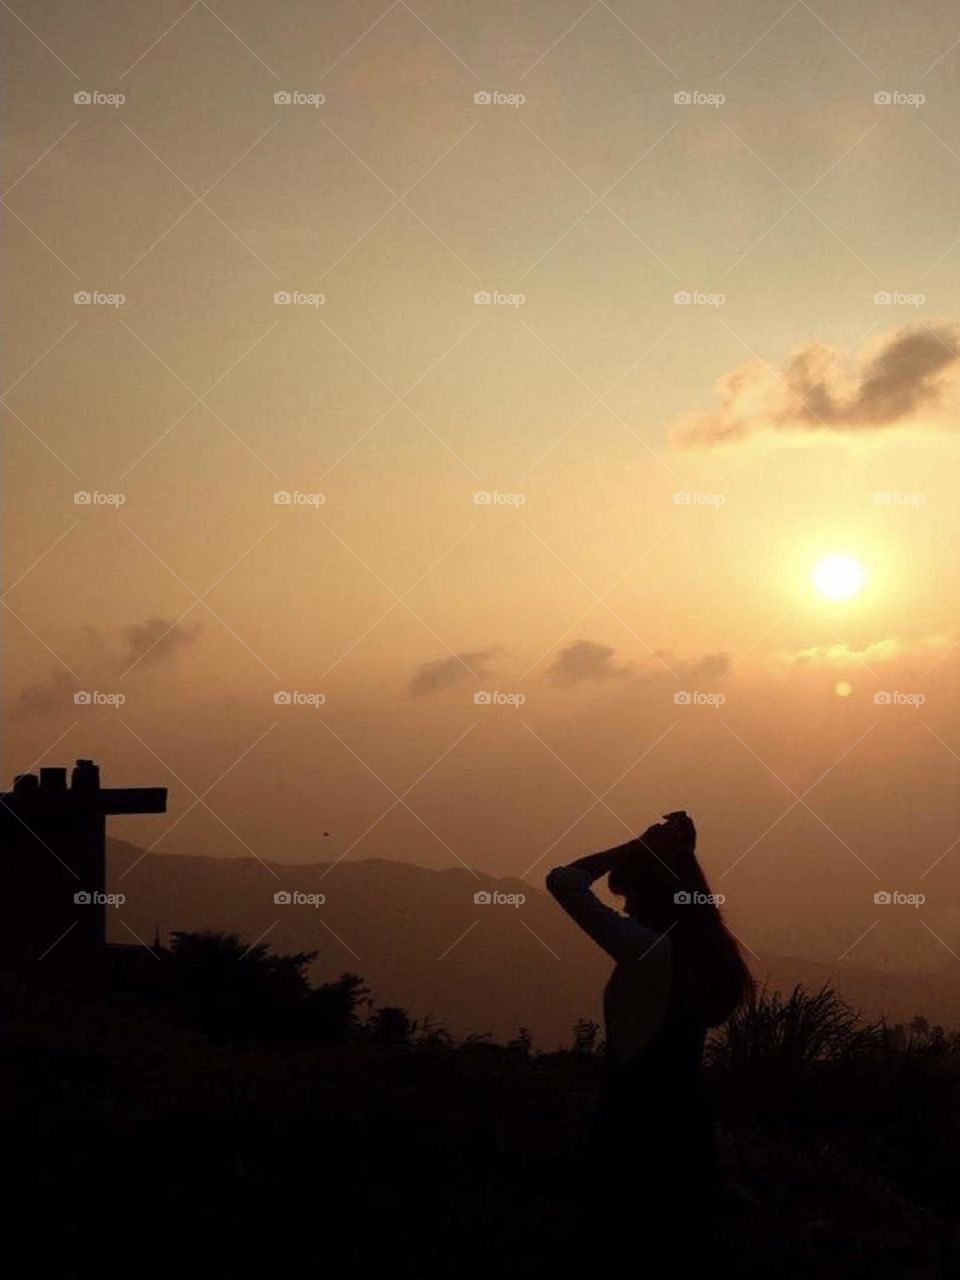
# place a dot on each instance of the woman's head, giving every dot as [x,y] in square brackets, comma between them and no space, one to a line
[661,864]
[662,882]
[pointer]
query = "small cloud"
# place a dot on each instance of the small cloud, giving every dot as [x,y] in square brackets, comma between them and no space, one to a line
[905,373]
[586,660]
[156,640]
[447,673]
[44,696]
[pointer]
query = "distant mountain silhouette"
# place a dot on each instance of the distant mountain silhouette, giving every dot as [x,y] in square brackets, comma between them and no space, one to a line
[420,941]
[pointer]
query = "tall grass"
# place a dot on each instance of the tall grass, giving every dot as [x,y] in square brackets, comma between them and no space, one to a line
[802,1027]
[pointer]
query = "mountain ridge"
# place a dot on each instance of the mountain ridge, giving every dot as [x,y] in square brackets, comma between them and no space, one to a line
[420,940]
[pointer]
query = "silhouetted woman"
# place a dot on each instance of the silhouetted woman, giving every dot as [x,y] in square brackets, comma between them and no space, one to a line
[651,1180]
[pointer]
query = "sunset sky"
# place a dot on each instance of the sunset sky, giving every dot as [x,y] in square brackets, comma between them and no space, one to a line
[665,474]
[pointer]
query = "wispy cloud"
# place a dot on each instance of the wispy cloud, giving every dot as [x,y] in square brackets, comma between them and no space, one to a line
[153,642]
[156,640]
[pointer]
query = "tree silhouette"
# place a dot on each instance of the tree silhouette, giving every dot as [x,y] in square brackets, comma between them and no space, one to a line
[235,991]
[392,1026]
[586,1037]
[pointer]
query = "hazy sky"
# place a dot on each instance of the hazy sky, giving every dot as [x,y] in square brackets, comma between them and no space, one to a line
[782,198]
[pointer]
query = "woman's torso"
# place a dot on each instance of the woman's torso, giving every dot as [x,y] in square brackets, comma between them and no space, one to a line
[655,1039]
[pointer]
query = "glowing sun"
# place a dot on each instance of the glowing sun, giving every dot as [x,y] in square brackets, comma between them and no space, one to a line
[838,577]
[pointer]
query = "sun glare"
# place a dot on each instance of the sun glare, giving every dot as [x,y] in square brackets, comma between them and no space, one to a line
[838,577]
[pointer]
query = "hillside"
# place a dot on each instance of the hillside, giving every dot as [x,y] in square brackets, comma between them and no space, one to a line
[419,939]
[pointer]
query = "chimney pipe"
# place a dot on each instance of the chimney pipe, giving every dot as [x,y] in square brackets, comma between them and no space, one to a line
[85,776]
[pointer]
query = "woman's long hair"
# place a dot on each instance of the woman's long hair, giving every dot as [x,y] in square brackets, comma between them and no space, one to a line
[664,885]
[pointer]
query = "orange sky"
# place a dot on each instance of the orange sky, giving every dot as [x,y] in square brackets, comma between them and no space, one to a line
[781,400]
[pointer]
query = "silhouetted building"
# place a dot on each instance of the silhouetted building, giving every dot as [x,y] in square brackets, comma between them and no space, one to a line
[53,856]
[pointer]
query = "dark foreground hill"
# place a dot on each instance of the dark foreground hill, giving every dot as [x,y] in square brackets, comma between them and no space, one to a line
[209,1113]
[421,941]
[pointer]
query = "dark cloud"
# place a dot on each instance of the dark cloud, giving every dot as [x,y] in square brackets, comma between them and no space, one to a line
[585,660]
[903,374]
[446,673]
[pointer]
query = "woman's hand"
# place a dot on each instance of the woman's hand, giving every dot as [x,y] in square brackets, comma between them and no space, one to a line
[598,864]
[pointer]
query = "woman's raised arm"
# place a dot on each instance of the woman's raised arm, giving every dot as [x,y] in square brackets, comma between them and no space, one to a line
[620,936]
